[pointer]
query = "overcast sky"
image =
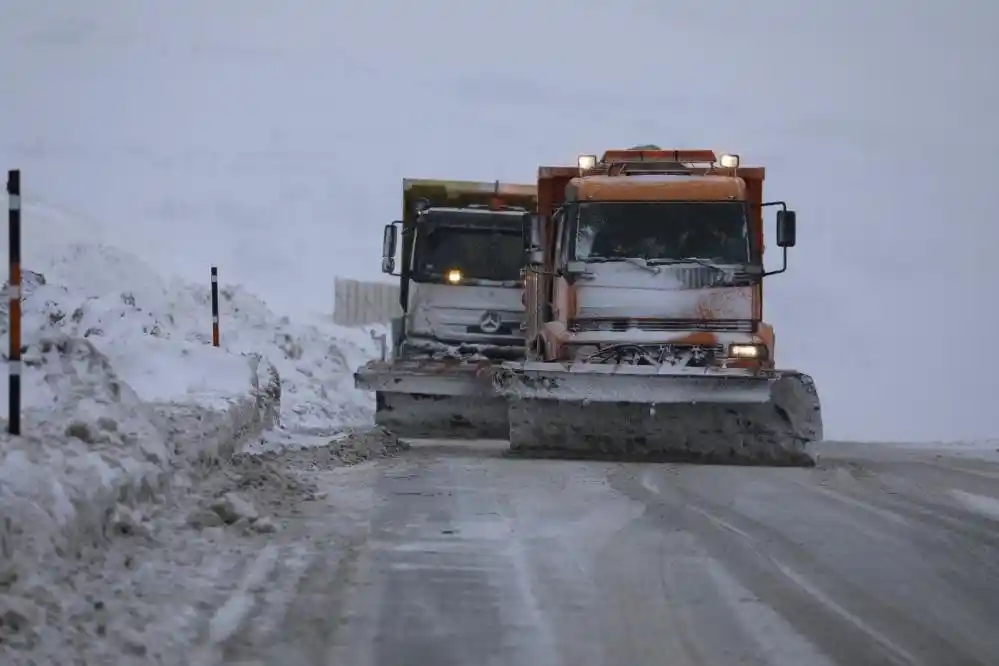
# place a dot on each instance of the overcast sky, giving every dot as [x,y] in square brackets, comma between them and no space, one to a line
[271,137]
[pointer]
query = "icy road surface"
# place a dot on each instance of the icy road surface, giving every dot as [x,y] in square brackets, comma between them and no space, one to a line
[472,558]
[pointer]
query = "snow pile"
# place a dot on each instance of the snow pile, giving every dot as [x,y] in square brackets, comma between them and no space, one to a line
[173,588]
[93,448]
[93,451]
[124,399]
[157,334]
[278,476]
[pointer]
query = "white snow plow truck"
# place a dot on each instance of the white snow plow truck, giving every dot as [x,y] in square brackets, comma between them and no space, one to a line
[463,248]
[645,337]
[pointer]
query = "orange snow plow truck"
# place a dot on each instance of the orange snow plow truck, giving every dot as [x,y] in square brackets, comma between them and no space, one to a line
[644,327]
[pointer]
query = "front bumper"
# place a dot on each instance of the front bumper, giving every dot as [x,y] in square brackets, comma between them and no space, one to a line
[425,378]
[644,384]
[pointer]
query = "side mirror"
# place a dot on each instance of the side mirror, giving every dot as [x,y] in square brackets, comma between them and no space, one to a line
[390,239]
[786,228]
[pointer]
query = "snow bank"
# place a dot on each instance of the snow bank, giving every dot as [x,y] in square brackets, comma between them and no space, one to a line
[273,480]
[92,450]
[124,398]
[141,322]
[178,590]
[90,458]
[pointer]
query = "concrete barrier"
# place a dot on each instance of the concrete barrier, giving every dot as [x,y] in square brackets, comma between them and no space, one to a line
[359,303]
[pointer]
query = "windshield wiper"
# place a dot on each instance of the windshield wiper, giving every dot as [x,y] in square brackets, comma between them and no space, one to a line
[725,274]
[642,262]
[691,260]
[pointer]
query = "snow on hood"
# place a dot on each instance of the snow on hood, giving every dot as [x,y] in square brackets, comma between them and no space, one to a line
[626,290]
[446,311]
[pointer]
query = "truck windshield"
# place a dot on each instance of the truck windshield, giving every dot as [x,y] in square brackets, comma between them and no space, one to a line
[715,231]
[478,253]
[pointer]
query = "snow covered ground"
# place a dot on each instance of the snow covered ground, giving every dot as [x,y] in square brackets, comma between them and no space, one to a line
[127,413]
[219,554]
[270,138]
[157,332]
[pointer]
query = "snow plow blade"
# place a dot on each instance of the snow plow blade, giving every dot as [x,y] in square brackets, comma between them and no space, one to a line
[434,400]
[640,413]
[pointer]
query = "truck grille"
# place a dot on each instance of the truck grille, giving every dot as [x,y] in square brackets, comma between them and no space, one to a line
[691,356]
[666,325]
[702,277]
[506,328]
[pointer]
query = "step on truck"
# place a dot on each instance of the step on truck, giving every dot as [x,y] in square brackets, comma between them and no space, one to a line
[460,274]
[645,337]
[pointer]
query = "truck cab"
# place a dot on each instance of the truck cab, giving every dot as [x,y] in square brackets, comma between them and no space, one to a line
[652,256]
[463,248]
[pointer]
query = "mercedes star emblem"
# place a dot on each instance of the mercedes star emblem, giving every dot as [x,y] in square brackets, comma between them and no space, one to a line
[490,322]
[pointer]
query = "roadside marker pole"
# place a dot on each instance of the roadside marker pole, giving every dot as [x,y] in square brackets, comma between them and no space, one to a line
[14,296]
[215,306]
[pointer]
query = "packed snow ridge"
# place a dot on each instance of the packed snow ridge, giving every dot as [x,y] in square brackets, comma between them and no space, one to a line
[158,334]
[124,400]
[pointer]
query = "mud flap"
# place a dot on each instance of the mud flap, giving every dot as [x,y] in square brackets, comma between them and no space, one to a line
[434,401]
[649,416]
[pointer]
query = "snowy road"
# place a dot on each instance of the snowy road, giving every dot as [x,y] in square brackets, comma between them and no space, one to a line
[473,558]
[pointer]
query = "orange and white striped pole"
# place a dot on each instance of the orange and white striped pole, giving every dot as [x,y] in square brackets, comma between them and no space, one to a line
[14,296]
[215,306]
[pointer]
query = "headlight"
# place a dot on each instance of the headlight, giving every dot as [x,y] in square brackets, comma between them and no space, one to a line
[454,276]
[586,162]
[729,161]
[748,351]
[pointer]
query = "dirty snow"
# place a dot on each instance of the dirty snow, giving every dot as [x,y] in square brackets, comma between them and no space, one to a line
[157,332]
[974,449]
[983,504]
[212,570]
[127,412]
[145,127]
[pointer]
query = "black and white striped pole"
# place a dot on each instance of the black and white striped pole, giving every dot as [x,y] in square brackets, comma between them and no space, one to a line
[215,306]
[14,296]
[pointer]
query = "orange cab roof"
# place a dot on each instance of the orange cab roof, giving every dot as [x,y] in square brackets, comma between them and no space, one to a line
[658,187]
